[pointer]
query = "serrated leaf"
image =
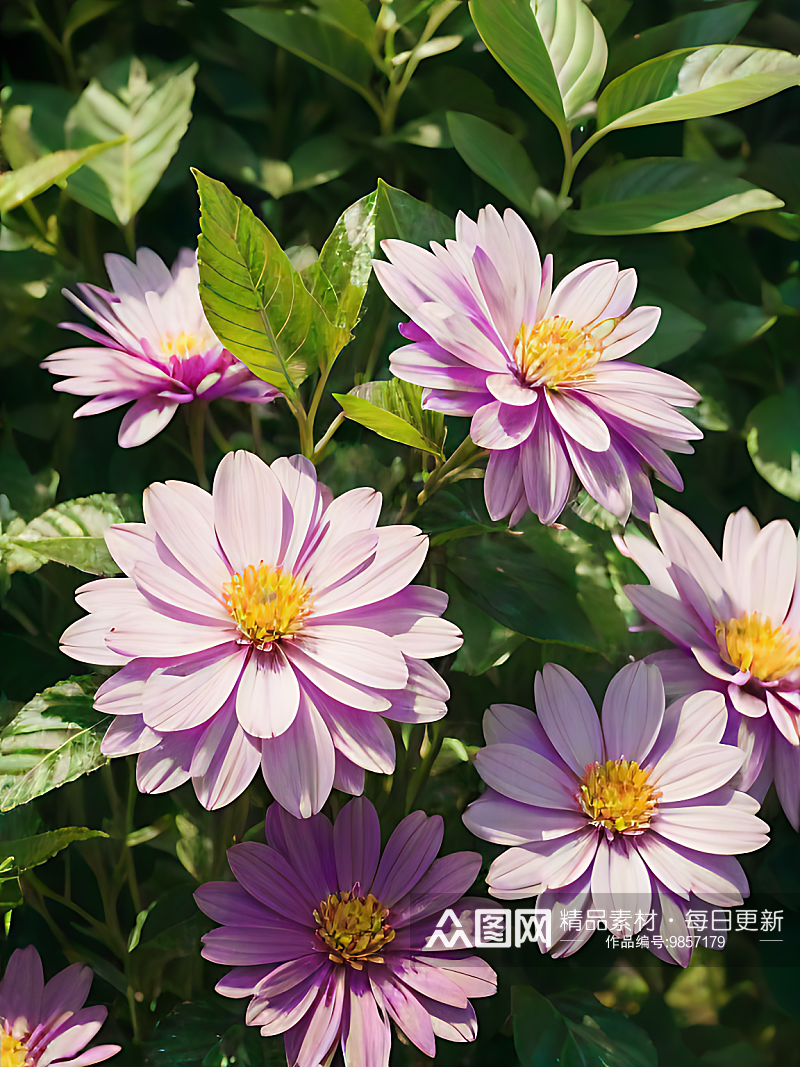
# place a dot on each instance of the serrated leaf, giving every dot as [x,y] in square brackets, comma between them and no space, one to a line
[72,533]
[664,195]
[30,852]
[773,441]
[17,186]
[495,156]
[402,216]
[511,33]
[694,83]
[315,38]
[151,114]
[378,406]
[338,279]
[254,299]
[577,48]
[53,740]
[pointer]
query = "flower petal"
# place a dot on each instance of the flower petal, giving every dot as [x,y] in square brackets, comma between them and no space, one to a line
[569,717]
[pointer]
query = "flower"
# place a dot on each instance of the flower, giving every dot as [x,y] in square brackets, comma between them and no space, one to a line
[47,1024]
[158,349]
[539,373]
[631,817]
[329,937]
[736,621]
[267,624]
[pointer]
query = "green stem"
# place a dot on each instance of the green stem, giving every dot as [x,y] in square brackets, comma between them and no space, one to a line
[423,771]
[319,392]
[377,343]
[217,436]
[306,437]
[326,437]
[255,424]
[572,161]
[399,86]
[105,935]
[130,823]
[129,232]
[466,452]
[196,419]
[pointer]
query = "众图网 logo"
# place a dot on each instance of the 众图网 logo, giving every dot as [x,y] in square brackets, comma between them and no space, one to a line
[493,928]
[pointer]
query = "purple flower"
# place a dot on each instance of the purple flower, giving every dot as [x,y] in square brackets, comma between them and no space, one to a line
[540,373]
[158,349]
[736,621]
[329,937]
[631,817]
[268,624]
[47,1024]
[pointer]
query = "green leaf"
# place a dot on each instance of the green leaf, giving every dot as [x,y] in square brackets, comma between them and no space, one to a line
[663,195]
[315,38]
[53,740]
[255,301]
[72,533]
[84,11]
[676,332]
[401,216]
[577,48]
[539,1030]
[17,186]
[351,16]
[487,643]
[151,114]
[602,1036]
[511,33]
[773,441]
[714,26]
[32,851]
[320,160]
[338,279]
[26,493]
[393,410]
[136,932]
[495,156]
[693,83]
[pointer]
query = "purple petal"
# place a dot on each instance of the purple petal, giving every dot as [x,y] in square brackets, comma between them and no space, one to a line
[298,765]
[366,1037]
[312,1039]
[527,776]
[502,485]
[245,946]
[787,778]
[633,711]
[357,843]
[233,763]
[409,853]
[21,991]
[446,880]
[502,821]
[690,771]
[502,426]
[405,1008]
[546,471]
[568,715]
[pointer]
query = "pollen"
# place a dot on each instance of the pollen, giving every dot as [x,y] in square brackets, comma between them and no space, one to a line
[12,1052]
[753,644]
[184,345]
[267,604]
[618,796]
[353,928]
[555,352]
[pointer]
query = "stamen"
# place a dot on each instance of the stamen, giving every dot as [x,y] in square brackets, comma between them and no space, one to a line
[353,928]
[555,352]
[753,644]
[618,796]
[185,344]
[267,604]
[12,1052]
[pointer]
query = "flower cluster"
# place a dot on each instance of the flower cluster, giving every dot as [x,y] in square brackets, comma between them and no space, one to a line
[264,625]
[327,935]
[539,370]
[158,349]
[629,815]
[46,1025]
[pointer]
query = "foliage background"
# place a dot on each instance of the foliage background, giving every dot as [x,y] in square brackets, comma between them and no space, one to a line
[299,146]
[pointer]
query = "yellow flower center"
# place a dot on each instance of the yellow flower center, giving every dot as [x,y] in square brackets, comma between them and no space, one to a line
[353,928]
[12,1052]
[267,603]
[185,344]
[753,644]
[555,352]
[617,795]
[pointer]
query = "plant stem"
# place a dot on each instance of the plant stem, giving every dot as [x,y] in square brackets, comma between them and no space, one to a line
[129,232]
[306,437]
[130,824]
[423,771]
[466,452]
[571,161]
[326,437]
[399,86]
[196,419]
[377,343]
[217,436]
[255,424]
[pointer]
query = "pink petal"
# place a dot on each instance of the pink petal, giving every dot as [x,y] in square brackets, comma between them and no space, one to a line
[234,761]
[633,711]
[128,735]
[741,530]
[772,563]
[686,773]
[85,640]
[366,1037]
[298,479]
[348,776]
[711,828]
[636,328]
[182,515]
[502,485]
[252,516]
[546,470]
[578,420]
[361,736]
[620,880]
[508,389]
[526,776]
[585,292]
[298,764]
[188,694]
[603,476]
[568,715]
[362,655]
[147,418]
[311,1040]
[406,1010]
[502,426]
[268,694]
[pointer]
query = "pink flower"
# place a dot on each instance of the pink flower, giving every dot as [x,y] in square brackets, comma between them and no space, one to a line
[631,816]
[266,625]
[329,937]
[736,621]
[539,372]
[43,1025]
[158,349]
